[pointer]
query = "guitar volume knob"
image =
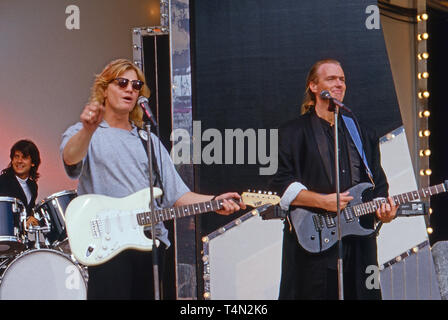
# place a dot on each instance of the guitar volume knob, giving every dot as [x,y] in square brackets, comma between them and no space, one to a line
[89,251]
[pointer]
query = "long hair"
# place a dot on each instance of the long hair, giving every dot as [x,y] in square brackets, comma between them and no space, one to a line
[28,148]
[113,70]
[309,98]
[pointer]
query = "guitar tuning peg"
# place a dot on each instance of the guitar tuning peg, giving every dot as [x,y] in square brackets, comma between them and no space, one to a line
[259,191]
[275,193]
[270,192]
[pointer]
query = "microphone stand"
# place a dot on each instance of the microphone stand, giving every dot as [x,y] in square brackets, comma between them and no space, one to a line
[155,260]
[334,107]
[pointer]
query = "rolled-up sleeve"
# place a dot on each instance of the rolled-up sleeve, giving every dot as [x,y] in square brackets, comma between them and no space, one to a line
[290,194]
[73,171]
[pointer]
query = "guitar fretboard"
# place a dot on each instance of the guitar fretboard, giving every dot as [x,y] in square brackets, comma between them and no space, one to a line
[372,206]
[144,218]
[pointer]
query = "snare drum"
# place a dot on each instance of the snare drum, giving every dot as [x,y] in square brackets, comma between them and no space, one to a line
[43,274]
[52,210]
[12,218]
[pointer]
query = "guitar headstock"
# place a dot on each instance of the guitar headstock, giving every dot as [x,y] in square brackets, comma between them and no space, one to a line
[258,198]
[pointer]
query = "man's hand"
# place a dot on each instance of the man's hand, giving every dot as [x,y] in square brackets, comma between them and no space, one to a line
[92,115]
[32,221]
[230,206]
[329,202]
[387,212]
[77,146]
[307,198]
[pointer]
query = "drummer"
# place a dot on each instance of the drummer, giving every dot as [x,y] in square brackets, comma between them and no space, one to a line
[19,179]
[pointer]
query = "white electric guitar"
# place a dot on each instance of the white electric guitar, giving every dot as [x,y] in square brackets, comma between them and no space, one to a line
[99,227]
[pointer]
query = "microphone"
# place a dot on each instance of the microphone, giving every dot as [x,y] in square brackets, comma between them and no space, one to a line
[143,102]
[324,94]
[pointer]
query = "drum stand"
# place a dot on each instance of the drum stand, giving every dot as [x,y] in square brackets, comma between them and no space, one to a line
[36,231]
[3,261]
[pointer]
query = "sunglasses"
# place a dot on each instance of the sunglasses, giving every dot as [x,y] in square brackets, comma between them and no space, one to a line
[123,83]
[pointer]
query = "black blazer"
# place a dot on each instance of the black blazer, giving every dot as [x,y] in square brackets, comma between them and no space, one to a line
[10,187]
[300,159]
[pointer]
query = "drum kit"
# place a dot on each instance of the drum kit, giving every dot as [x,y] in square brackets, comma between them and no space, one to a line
[36,261]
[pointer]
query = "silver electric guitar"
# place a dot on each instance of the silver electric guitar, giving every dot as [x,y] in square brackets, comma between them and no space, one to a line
[317,231]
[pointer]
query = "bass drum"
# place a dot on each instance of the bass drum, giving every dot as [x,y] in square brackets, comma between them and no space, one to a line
[43,274]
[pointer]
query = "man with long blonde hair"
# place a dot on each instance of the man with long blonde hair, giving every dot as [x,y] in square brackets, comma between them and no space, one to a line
[305,178]
[104,151]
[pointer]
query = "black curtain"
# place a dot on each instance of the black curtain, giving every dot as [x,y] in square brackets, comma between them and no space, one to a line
[156,50]
[156,57]
[249,63]
[438,106]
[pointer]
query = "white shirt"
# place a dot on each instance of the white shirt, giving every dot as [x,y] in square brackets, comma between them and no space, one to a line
[25,188]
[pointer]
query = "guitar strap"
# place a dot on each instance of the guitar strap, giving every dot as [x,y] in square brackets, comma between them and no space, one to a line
[354,134]
[157,181]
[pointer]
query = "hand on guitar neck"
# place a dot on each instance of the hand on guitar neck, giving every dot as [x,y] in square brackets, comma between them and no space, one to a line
[388,211]
[231,203]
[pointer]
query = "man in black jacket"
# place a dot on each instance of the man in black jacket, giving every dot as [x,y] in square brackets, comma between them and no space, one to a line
[19,179]
[305,178]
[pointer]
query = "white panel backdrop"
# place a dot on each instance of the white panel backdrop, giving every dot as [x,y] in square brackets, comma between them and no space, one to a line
[404,232]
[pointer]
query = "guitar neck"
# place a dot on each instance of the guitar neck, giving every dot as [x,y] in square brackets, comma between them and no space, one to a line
[160,215]
[371,206]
